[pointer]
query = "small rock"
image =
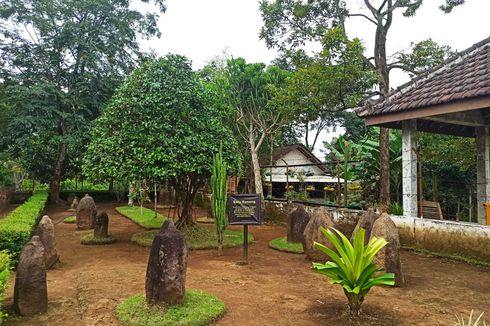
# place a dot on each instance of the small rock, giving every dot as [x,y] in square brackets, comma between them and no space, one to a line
[297,222]
[101,229]
[313,234]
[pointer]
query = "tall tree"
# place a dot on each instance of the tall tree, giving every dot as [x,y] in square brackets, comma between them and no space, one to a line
[161,124]
[291,23]
[63,59]
[251,87]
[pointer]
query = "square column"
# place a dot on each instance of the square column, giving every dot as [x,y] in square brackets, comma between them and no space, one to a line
[409,167]
[482,172]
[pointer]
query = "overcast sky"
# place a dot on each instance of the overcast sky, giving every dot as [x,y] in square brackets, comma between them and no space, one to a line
[202,29]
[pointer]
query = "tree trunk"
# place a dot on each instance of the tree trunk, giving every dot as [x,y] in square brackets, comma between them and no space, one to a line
[186,188]
[255,161]
[54,186]
[384,88]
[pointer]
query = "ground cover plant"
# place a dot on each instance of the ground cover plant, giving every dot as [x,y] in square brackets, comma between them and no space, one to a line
[15,228]
[142,216]
[353,267]
[199,308]
[282,244]
[197,237]
[70,219]
[4,277]
[90,239]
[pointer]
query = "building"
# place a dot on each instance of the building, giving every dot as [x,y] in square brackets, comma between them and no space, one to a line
[296,166]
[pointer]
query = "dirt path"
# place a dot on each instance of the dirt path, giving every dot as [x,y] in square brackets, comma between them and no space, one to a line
[275,289]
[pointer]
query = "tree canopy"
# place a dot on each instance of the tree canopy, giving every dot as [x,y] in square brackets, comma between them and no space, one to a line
[161,124]
[60,61]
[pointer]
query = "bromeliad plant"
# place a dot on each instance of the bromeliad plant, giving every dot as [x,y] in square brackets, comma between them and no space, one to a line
[352,265]
[218,198]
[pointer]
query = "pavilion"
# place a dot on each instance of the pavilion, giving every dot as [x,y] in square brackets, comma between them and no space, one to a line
[452,98]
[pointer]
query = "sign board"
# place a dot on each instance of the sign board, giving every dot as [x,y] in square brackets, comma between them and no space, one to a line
[244,209]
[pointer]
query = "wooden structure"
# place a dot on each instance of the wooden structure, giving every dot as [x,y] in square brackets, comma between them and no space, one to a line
[452,98]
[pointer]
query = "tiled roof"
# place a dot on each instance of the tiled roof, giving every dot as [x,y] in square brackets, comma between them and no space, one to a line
[464,76]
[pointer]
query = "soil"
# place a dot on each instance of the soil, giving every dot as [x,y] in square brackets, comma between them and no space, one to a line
[7,209]
[276,288]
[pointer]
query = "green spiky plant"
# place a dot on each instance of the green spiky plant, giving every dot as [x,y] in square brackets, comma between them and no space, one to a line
[219,196]
[352,266]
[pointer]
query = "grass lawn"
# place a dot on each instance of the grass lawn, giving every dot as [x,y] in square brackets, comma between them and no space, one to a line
[146,219]
[282,245]
[197,237]
[199,308]
[70,219]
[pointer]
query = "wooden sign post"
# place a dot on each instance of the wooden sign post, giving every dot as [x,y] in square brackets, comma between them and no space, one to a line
[244,209]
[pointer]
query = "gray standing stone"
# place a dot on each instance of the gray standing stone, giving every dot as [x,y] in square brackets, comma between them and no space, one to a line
[86,212]
[297,222]
[167,266]
[30,290]
[388,258]
[74,203]
[70,197]
[366,221]
[313,234]
[101,229]
[45,231]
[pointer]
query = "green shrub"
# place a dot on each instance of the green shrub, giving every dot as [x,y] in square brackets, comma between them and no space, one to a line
[15,228]
[142,216]
[396,209]
[353,267]
[4,277]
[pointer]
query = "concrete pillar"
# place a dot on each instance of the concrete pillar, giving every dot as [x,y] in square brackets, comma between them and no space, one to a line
[482,171]
[409,167]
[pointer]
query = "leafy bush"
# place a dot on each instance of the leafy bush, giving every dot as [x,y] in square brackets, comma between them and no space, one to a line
[396,209]
[15,228]
[4,277]
[353,267]
[142,216]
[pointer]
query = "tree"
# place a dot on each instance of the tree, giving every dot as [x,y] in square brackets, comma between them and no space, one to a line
[251,86]
[62,60]
[291,23]
[327,83]
[161,124]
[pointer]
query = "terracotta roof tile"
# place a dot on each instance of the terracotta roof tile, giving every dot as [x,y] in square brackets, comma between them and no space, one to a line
[465,75]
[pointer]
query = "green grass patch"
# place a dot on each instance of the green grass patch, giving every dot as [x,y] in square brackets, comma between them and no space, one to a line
[455,257]
[142,216]
[199,308]
[16,227]
[197,237]
[4,277]
[282,245]
[70,219]
[89,239]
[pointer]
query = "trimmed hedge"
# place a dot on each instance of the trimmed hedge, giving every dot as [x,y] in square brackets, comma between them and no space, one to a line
[4,277]
[15,228]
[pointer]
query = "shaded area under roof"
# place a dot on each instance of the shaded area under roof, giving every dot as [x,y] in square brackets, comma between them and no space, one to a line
[443,96]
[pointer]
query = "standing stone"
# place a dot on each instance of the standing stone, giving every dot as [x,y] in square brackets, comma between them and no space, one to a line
[30,290]
[366,221]
[86,212]
[45,231]
[101,229]
[297,222]
[131,192]
[70,197]
[388,258]
[312,233]
[74,203]
[167,266]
